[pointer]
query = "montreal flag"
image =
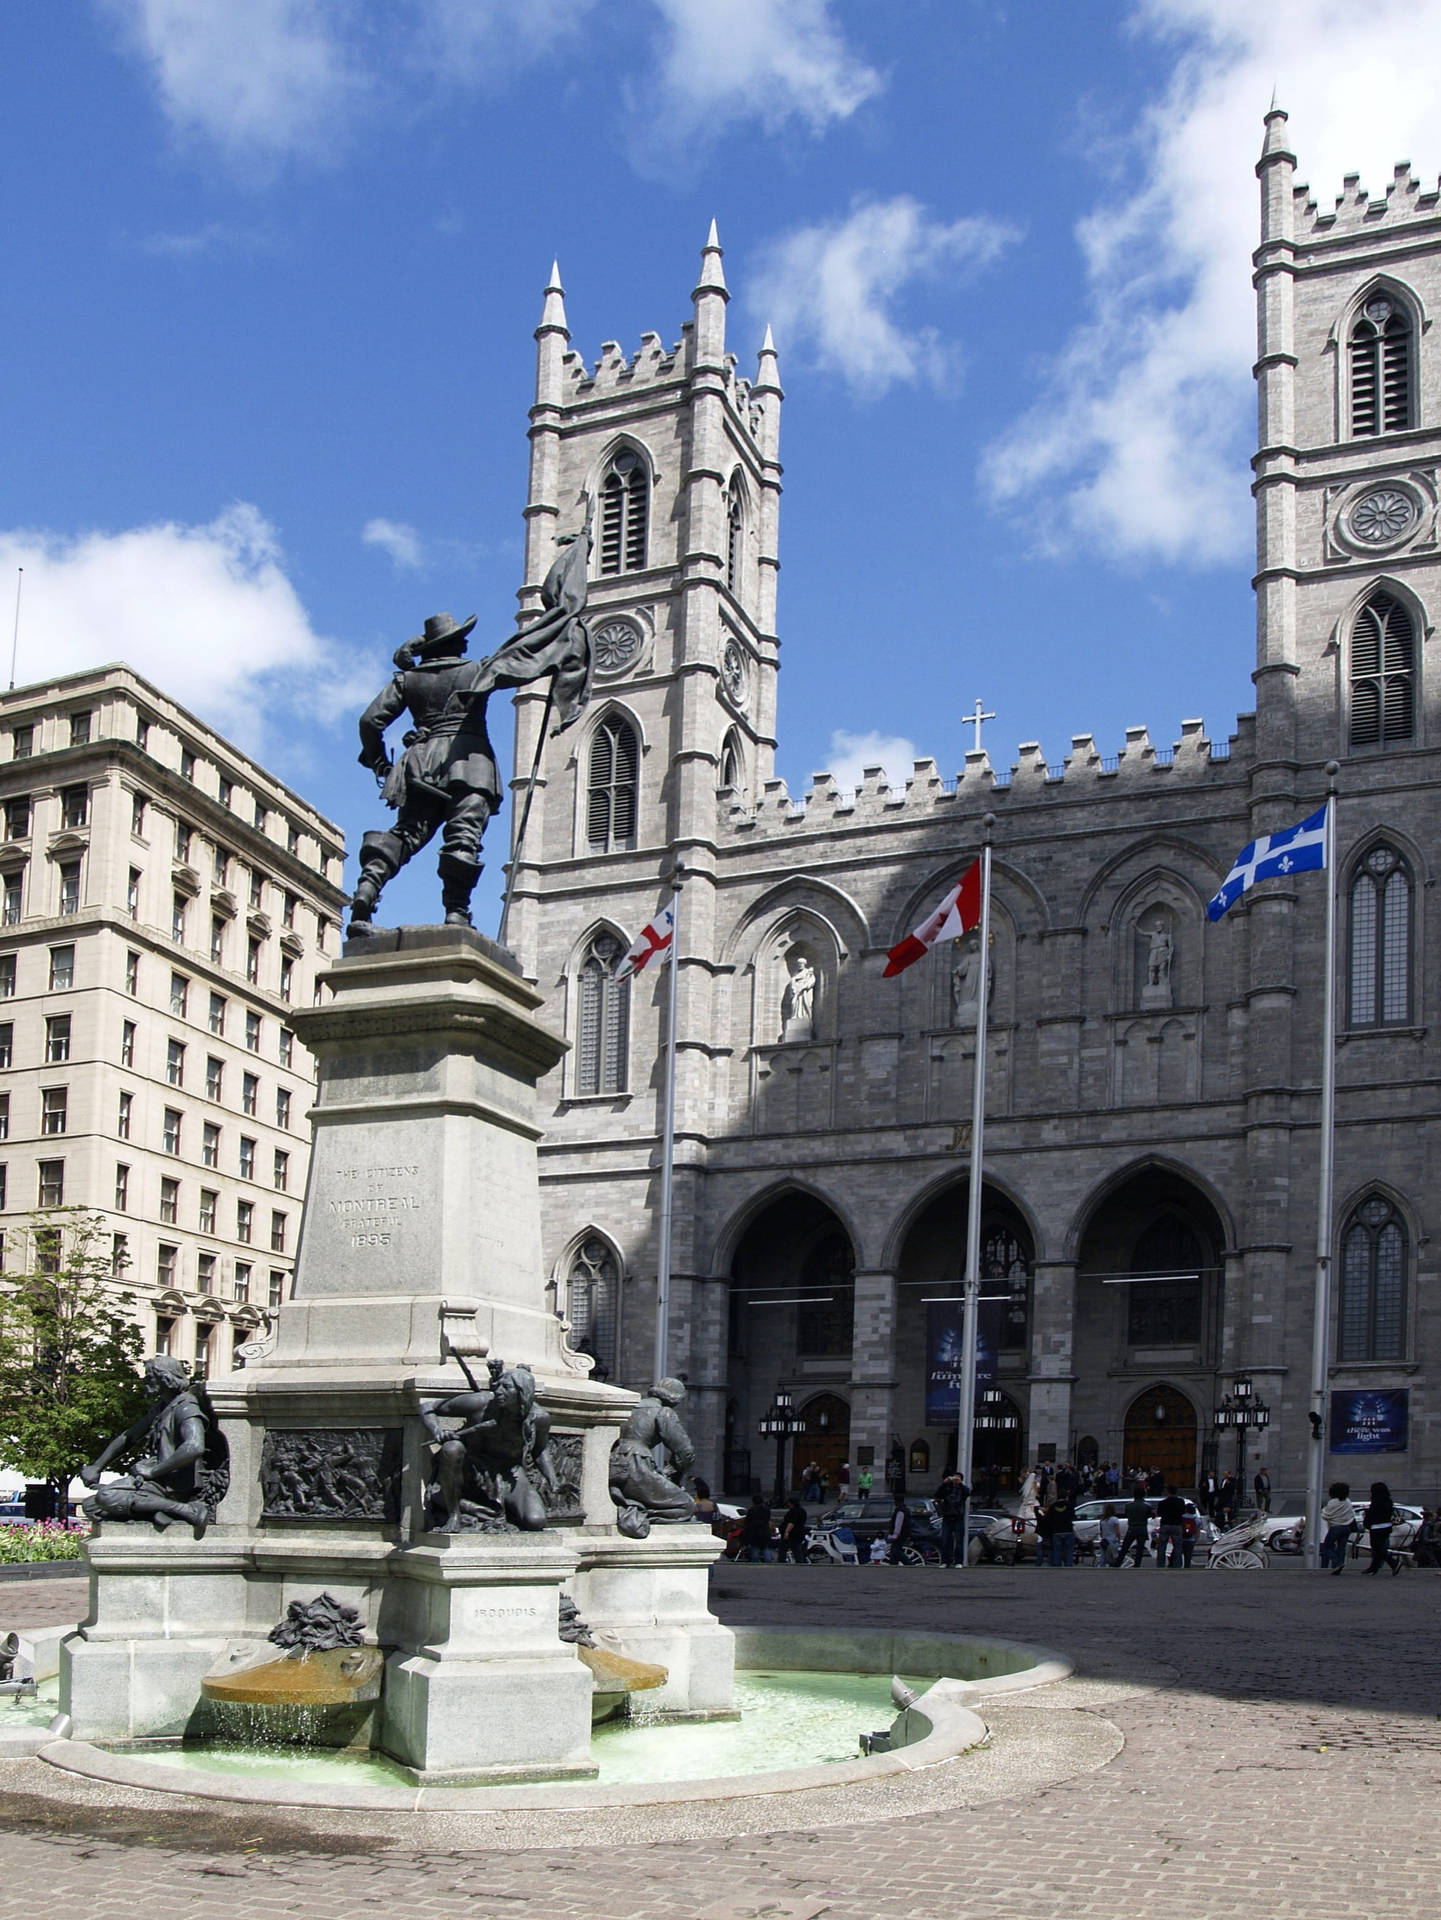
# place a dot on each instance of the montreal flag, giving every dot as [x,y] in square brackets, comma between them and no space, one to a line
[956,915]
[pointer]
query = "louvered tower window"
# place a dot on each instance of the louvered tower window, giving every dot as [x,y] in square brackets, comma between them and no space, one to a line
[1373,1283]
[604,1020]
[592,1301]
[611,786]
[1380,984]
[1380,369]
[1383,668]
[735,536]
[624,514]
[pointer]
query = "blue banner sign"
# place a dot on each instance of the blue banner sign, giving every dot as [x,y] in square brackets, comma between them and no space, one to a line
[944,1337]
[1370,1422]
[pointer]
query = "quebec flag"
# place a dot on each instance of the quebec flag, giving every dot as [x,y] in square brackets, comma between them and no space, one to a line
[1299,849]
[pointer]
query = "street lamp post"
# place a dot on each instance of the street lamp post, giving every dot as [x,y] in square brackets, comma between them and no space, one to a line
[779,1424]
[1241,1408]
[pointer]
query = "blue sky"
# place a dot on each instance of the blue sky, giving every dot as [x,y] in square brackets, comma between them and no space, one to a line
[272,271]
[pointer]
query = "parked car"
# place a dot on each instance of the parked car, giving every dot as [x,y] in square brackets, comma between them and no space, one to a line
[12,1514]
[1013,1537]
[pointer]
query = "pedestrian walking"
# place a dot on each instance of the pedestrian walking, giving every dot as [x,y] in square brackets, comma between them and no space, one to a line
[1261,1487]
[899,1533]
[1063,1531]
[1109,1536]
[795,1525]
[952,1498]
[1171,1535]
[1206,1494]
[865,1480]
[844,1480]
[1138,1521]
[1339,1518]
[1378,1520]
[756,1530]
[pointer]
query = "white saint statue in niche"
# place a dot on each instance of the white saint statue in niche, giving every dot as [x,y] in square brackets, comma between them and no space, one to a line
[798,1002]
[966,983]
[1160,951]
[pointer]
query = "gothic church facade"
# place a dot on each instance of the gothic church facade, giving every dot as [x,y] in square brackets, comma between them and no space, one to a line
[1150,1181]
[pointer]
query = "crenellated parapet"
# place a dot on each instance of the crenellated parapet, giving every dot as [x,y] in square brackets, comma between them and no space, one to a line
[1358,211]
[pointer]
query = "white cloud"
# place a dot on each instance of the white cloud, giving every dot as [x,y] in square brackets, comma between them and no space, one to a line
[268,77]
[832,289]
[205,612]
[776,59]
[1140,436]
[852,753]
[400,541]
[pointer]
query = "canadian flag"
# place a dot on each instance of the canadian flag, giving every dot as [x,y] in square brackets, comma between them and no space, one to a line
[956,915]
[651,943]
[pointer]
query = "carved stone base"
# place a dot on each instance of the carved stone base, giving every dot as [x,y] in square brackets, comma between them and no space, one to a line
[650,1600]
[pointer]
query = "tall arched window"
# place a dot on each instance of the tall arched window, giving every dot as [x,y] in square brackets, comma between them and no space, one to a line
[1383,673]
[603,1020]
[624,513]
[1373,1283]
[827,1294]
[732,771]
[1381,941]
[735,535]
[1164,1310]
[612,780]
[592,1302]
[1380,349]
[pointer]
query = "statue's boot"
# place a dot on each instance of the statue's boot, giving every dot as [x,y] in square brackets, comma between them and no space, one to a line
[458,875]
[381,858]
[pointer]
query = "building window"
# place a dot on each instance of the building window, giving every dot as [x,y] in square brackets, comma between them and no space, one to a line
[122,1187]
[22,743]
[214,1078]
[242,1280]
[137,813]
[209,1201]
[287,1047]
[74,806]
[132,894]
[604,1020]
[178,908]
[171,1134]
[624,514]
[1383,673]
[4,1186]
[221,866]
[142,733]
[276,1297]
[80,729]
[1373,1283]
[7,1043]
[70,886]
[127,1043]
[277,1232]
[54,1109]
[175,1063]
[7,976]
[287,912]
[245,1221]
[1381,941]
[592,1299]
[735,535]
[217,939]
[287,976]
[51,1183]
[262,817]
[730,766]
[611,784]
[124,1116]
[247,1157]
[132,974]
[182,843]
[187,765]
[210,1145]
[1165,1311]
[165,1327]
[17,818]
[62,969]
[205,1268]
[170,1202]
[179,996]
[322,932]
[4,1116]
[57,1037]
[47,1249]
[1380,348]
[282,1170]
[119,1255]
[250,1095]
[257,890]
[252,1032]
[282,1108]
[225,792]
[14,880]
[217,1014]
[292,839]
[252,961]
[166,1262]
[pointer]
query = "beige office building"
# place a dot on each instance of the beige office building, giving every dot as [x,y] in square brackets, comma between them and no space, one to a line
[165,904]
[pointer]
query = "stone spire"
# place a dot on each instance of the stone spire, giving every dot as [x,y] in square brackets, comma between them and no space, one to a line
[710,297]
[552,317]
[768,379]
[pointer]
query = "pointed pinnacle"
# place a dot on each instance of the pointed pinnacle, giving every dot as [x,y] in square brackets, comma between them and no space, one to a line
[712,273]
[553,285]
[712,239]
[768,345]
[552,315]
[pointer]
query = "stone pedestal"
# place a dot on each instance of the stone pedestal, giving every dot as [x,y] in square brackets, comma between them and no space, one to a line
[420,1241]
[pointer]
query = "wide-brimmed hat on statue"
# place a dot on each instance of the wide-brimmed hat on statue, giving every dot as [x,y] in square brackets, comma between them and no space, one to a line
[443,632]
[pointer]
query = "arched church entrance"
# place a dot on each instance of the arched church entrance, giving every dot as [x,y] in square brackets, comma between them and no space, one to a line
[792,1299]
[1160,1436]
[928,1327]
[825,1439]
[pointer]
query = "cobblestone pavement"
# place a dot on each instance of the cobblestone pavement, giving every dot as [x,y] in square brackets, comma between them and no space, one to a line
[1279,1754]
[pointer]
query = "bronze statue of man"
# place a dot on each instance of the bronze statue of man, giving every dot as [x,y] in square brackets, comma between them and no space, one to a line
[180,1474]
[445,779]
[480,1474]
[642,1491]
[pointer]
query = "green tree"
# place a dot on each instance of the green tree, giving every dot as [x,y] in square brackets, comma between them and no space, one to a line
[70,1351]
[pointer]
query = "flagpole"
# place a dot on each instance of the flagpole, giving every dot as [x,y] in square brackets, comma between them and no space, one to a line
[667,1163]
[971,1284]
[1321,1309]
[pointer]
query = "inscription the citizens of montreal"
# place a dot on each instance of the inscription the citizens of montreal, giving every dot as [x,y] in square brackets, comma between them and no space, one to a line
[374,1202]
